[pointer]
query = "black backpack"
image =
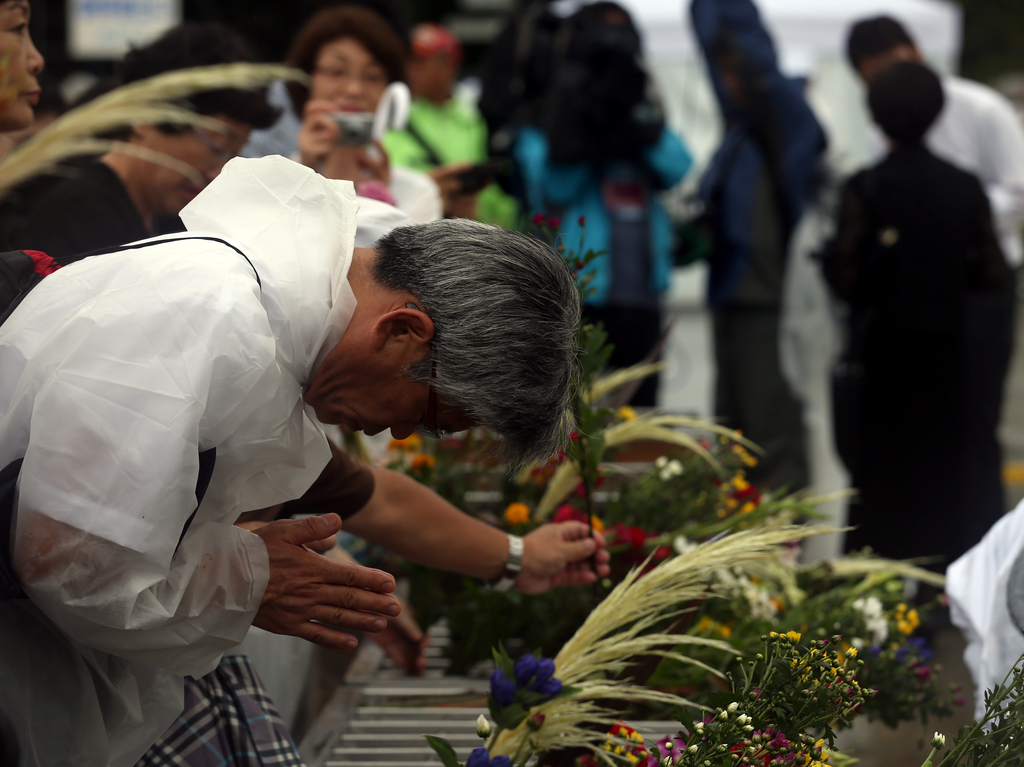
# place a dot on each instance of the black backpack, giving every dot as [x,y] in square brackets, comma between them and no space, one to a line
[17,277]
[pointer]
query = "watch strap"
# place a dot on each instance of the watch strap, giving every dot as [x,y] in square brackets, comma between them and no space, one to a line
[513,565]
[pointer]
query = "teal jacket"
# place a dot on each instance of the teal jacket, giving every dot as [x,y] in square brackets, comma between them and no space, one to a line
[572,191]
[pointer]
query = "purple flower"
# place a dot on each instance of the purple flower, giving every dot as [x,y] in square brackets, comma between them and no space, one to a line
[550,687]
[503,690]
[545,668]
[500,761]
[525,669]
[478,757]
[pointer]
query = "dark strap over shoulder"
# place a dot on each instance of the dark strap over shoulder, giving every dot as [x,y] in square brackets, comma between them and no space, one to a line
[9,588]
[18,276]
[432,156]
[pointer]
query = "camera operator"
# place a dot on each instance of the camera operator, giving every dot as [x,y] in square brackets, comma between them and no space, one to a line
[597,151]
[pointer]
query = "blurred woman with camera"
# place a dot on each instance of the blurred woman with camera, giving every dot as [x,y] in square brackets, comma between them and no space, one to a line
[352,55]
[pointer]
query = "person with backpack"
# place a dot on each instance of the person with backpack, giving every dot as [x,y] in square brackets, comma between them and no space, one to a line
[444,130]
[118,373]
[914,238]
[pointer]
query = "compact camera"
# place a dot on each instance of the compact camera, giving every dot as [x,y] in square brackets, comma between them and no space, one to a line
[356,127]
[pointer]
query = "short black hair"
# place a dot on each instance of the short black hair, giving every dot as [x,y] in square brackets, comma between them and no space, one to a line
[905,99]
[199,45]
[875,36]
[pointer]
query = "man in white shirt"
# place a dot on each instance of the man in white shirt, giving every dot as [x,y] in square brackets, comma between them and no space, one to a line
[979,132]
[244,335]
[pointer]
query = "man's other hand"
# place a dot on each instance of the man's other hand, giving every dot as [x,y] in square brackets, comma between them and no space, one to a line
[310,596]
[561,555]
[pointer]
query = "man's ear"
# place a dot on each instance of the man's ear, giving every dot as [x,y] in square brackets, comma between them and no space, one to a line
[404,327]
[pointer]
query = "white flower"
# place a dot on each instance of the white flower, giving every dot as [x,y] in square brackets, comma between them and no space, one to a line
[874,618]
[675,467]
[661,462]
[732,707]
[483,727]
[698,727]
[665,474]
[683,545]
[938,740]
[857,643]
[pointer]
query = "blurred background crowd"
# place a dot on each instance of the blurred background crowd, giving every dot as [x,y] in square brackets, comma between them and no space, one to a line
[800,208]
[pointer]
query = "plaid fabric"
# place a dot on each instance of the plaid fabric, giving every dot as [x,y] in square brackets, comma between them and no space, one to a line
[228,721]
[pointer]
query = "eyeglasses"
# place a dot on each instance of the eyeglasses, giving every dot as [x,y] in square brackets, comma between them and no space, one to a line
[428,428]
[369,78]
[221,153]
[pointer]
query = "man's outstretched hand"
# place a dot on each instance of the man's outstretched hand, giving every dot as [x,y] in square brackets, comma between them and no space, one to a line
[310,595]
[561,555]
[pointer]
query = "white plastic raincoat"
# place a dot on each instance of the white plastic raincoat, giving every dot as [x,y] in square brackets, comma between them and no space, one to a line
[978,585]
[114,373]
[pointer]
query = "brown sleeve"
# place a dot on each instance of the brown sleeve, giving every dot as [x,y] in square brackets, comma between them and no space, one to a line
[343,487]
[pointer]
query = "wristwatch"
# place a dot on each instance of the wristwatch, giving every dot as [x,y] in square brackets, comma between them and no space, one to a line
[512,566]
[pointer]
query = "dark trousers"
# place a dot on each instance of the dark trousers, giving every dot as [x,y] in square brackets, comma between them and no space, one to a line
[634,333]
[751,395]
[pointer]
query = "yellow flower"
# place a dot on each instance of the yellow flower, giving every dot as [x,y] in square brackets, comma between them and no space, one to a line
[724,631]
[705,624]
[793,635]
[744,455]
[597,523]
[517,514]
[625,413]
[410,444]
[748,507]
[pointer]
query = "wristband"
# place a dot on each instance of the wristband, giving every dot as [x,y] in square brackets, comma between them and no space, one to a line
[513,565]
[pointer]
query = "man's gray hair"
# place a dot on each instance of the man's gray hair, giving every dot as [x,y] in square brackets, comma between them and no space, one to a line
[505,310]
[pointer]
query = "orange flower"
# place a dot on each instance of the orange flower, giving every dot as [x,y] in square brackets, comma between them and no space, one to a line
[423,461]
[410,444]
[597,523]
[517,514]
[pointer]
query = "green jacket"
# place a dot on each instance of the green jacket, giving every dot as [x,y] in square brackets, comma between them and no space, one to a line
[457,133]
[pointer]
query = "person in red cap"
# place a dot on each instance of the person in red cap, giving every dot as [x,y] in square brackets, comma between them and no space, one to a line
[444,130]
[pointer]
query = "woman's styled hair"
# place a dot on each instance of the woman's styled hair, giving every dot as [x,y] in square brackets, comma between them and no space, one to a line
[505,309]
[368,27]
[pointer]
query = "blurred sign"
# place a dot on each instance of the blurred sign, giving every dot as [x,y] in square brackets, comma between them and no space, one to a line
[106,29]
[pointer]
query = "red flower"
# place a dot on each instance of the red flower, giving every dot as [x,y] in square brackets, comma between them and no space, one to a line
[661,552]
[569,513]
[633,536]
[554,223]
[582,221]
[538,219]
